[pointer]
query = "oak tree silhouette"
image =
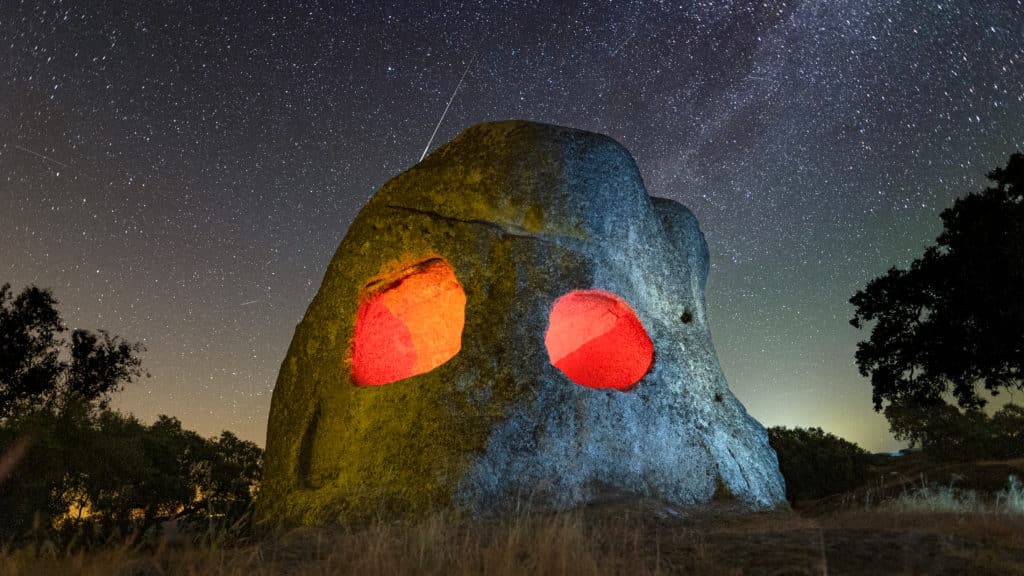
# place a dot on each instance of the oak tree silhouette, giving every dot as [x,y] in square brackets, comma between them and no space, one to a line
[952,325]
[39,369]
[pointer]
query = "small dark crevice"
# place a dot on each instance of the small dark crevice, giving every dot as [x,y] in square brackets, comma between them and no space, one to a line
[385,284]
[687,316]
[503,229]
[742,475]
[512,231]
[722,492]
[718,396]
[305,463]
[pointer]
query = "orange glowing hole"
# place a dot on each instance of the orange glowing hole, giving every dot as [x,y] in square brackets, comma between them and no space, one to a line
[408,325]
[596,339]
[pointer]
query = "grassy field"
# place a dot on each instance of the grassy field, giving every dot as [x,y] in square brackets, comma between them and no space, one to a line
[915,519]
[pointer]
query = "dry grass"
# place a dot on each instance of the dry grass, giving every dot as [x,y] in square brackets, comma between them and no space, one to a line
[613,539]
[1011,500]
[942,532]
[953,499]
[564,543]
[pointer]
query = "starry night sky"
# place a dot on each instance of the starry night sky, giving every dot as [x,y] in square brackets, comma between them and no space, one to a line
[182,175]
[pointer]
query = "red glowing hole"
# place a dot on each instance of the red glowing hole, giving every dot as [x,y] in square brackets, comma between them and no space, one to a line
[595,338]
[409,325]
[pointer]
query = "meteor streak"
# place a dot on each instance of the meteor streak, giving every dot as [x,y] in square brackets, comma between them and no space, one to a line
[38,155]
[621,46]
[450,100]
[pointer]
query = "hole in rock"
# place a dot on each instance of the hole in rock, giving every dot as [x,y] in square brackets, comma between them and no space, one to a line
[408,325]
[596,339]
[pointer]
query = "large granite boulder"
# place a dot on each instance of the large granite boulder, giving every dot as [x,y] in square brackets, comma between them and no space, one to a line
[512,319]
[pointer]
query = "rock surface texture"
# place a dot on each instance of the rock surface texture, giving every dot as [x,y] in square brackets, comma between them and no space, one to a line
[515,215]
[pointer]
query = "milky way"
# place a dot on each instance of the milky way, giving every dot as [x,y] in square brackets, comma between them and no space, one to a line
[182,175]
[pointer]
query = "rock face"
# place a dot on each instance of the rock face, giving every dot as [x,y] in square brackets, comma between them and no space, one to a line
[432,369]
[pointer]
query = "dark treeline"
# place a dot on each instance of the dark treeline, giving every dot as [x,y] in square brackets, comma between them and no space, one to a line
[816,463]
[74,472]
[947,333]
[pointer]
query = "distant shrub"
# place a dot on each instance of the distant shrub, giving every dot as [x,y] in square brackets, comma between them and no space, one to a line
[950,499]
[1008,431]
[816,463]
[1011,500]
[938,498]
[944,432]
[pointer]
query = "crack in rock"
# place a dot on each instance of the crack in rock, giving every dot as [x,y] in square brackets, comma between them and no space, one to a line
[503,229]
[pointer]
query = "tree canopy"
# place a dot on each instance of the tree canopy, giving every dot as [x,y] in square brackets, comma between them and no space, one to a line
[68,462]
[40,370]
[953,322]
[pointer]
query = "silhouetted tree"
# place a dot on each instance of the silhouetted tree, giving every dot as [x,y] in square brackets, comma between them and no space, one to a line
[32,489]
[62,450]
[943,431]
[51,391]
[133,476]
[953,323]
[1008,429]
[234,472]
[146,475]
[33,374]
[30,329]
[816,463]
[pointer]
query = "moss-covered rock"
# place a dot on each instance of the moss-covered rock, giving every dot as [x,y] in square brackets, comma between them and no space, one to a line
[522,213]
